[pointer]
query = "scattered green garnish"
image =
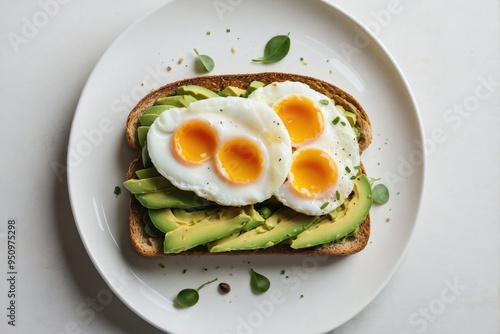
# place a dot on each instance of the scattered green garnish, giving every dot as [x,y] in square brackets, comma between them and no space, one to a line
[347,169]
[337,195]
[324,102]
[343,123]
[258,282]
[324,205]
[206,63]
[276,49]
[228,30]
[189,297]
[117,191]
[265,212]
[380,194]
[336,120]
[282,272]
[208,33]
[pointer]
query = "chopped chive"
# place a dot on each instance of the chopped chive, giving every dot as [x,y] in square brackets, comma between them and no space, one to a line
[337,195]
[324,205]
[343,123]
[336,120]
[228,30]
[347,169]
[353,177]
[324,102]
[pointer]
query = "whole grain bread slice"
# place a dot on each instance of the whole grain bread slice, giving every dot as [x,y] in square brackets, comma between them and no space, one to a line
[153,247]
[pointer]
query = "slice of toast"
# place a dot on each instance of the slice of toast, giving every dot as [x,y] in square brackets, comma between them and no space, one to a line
[153,247]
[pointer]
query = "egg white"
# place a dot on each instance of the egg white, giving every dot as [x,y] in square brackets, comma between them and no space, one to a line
[337,139]
[230,117]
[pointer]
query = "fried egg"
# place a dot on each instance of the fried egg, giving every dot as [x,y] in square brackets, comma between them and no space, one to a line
[233,151]
[325,157]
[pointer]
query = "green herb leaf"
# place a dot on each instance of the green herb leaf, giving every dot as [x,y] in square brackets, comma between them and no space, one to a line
[265,212]
[336,120]
[189,297]
[205,62]
[276,49]
[324,102]
[380,194]
[324,205]
[258,282]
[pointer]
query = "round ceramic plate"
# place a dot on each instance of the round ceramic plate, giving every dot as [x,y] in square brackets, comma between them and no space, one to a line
[325,43]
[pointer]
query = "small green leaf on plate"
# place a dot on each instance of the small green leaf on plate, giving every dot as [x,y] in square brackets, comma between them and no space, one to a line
[258,282]
[380,194]
[189,297]
[205,62]
[275,50]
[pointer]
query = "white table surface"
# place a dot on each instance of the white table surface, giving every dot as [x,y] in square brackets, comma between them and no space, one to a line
[448,281]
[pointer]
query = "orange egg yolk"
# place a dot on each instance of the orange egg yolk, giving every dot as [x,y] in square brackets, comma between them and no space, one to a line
[301,118]
[313,172]
[240,160]
[194,142]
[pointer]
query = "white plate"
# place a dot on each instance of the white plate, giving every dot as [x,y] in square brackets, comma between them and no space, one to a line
[324,292]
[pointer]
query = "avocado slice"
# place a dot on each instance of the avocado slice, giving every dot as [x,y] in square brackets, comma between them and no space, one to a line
[327,231]
[351,117]
[142,134]
[142,186]
[146,173]
[198,92]
[146,160]
[165,220]
[255,218]
[205,231]
[254,85]
[157,110]
[168,219]
[232,91]
[150,229]
[171,198]
[282,225]
[147,119]
[176,100]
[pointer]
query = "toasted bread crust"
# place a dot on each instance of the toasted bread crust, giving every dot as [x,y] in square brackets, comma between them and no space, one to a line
[153,247]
